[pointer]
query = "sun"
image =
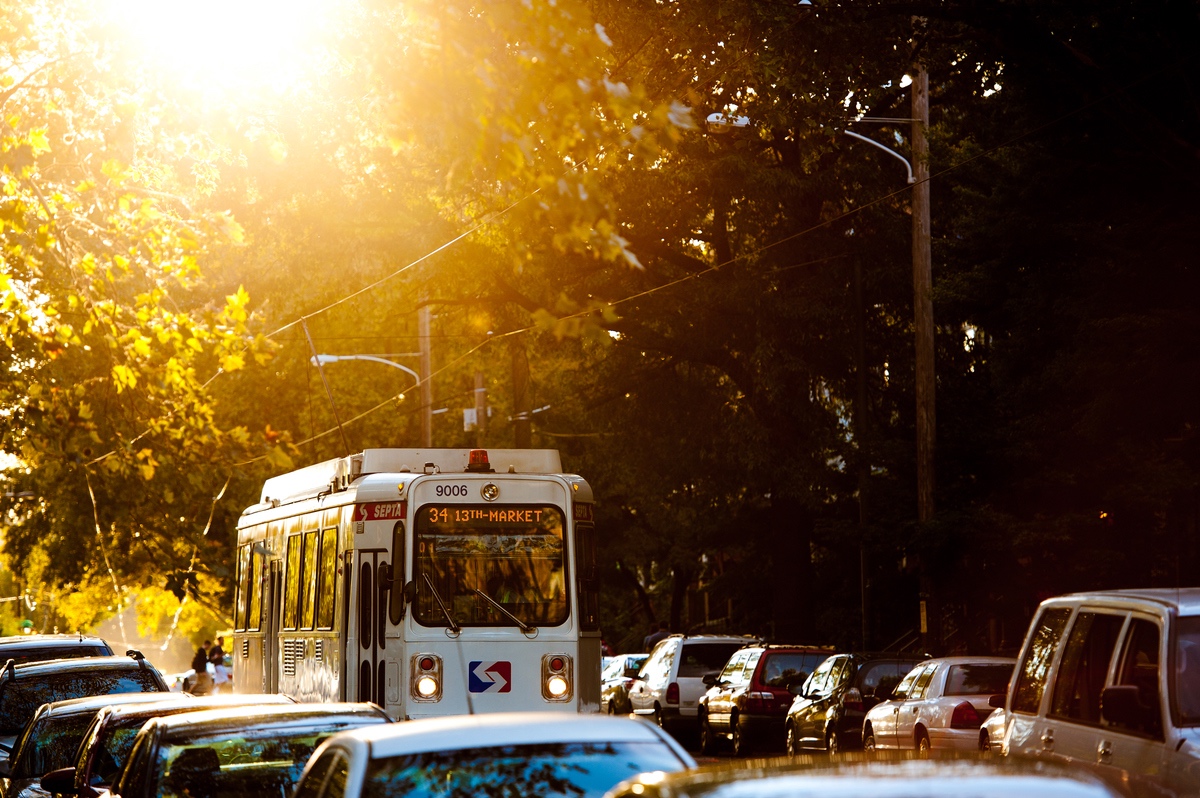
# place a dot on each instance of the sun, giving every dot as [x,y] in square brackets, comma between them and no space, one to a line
[228,45]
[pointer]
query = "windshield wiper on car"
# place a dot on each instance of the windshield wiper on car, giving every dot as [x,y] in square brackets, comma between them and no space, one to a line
[442,605]
[527,628]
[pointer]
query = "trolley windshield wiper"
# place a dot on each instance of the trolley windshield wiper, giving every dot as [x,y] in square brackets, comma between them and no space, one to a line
[442,605]
[524,626]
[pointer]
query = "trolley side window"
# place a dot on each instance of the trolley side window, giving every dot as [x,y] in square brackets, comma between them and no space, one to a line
[291,593]
[255,591]
[328,587]
[308,581]
[243,588]
[489,565]
[589,583]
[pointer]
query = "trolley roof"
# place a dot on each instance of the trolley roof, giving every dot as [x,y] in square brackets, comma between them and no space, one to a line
[337,474]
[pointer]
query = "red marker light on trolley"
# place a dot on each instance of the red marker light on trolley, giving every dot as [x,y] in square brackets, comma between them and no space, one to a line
[556,664]
[427,663]
[477,460]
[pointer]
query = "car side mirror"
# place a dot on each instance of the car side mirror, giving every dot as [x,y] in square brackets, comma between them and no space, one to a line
[796,688]
[60,781]
[997,700]
[1122,704]
[709,679]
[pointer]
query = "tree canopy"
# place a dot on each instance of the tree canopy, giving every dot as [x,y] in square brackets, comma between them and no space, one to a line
[715,318]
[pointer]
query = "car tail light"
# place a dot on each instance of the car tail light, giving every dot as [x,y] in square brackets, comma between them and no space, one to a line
[965,717]
[853,700]
[758,701]
[673,693]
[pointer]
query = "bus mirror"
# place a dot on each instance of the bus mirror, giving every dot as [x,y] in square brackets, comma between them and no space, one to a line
[410,592]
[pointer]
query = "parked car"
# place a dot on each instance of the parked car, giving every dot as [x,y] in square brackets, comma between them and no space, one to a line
[527,753]
[880,776]
[615,680]
[106,743]
[24,688]
[256,750]
[991,733]
[671,680]
[940,704]
[51,738]
[828,710]
[36,648]
[1112,680]
[747,702]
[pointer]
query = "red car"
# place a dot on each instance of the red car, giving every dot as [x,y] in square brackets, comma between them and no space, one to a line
[748,701]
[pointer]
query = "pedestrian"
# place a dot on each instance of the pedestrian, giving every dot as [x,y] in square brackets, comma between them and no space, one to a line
[202,680]
[217,651]
[655,636]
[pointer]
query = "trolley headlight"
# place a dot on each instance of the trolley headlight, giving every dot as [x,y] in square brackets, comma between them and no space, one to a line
[556,677]
[425,683]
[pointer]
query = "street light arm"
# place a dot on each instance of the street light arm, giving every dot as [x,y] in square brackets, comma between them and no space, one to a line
[319,360]
[888,150]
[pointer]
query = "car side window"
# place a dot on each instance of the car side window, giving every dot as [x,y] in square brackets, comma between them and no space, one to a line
[665,661]
[732,671]
[921,685]
[752,659]
[1140,667]
[1084,669]
[314,779]
[819,681]
[1035,667]
[901,691]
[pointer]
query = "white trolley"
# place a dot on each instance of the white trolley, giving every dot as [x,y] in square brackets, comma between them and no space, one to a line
[432,582]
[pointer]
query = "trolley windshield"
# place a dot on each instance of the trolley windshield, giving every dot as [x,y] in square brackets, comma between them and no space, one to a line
[490,565]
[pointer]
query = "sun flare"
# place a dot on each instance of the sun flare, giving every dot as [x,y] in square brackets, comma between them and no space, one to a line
[228,45]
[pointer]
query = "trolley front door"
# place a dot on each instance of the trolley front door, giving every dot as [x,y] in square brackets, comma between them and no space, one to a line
[370,594]
[271,624]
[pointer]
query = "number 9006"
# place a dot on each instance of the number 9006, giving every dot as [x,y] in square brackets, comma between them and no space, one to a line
[450,490]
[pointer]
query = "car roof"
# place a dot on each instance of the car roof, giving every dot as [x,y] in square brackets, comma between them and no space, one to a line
[95,703]
[966,660]
[49,666]
[746,639]
[881,776]
[196,704]
[44,641]
[1185,601]
[789,648]
[455,732]
[270,716]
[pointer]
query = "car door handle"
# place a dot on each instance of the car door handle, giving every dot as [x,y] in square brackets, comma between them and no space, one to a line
[1104,750]
[1048,739]
[912,710]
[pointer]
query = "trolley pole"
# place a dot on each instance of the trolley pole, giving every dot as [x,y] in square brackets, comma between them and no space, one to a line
[423,321]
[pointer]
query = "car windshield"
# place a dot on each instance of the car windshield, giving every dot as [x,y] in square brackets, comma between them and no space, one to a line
[23,655]
[19,699]
[512,554]
[247,762]
[784,668]
[1186,691]
[49,743]
[978,679]
[701,658]
[570,770]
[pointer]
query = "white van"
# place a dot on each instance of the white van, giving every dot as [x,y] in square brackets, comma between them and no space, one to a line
[1112,680]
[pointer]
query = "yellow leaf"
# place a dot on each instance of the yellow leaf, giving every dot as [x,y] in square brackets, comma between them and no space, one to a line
[147,471]
[85,411]
[142,347]
[124,377]
[39,142]
[194,344]
[232,362]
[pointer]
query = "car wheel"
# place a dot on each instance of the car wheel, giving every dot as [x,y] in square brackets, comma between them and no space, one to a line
[658,718]
[833,743]
[922,744]
[984,745]
[737,739]
[869,742]
[708,740]
[793,745]
[612,708]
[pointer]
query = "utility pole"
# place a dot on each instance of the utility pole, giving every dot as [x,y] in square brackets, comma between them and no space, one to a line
[423,320]
[923,326]
[480,409]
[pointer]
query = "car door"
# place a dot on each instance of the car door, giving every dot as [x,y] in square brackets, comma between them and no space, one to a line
[910,709]
[1074,726]
[1028,732]
[1136,749]
[823,703]
[812,695]
[652,683]
[883,715]
[720,697]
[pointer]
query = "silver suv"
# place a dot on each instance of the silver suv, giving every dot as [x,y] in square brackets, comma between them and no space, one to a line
[671,680]
[1112,680]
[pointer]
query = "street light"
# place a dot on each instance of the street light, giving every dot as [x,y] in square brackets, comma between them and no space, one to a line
[426,407]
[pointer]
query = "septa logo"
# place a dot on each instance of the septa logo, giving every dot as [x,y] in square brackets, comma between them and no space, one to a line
[490,677]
